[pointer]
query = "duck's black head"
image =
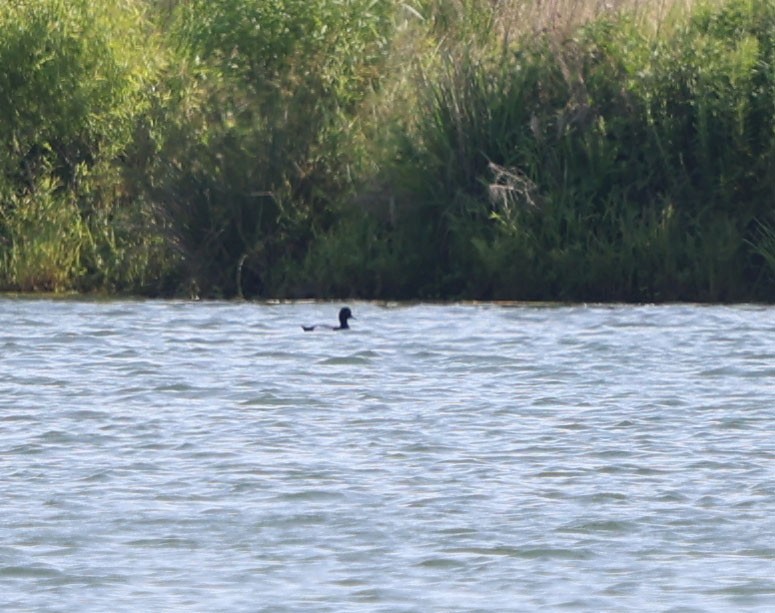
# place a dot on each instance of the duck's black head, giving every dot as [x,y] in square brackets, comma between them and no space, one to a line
[344,314]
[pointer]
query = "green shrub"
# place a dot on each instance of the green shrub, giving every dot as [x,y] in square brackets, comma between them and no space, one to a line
[74,76]
[428,149]
[255,149]
[637,159]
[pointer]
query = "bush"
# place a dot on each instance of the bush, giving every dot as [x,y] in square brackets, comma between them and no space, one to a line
[466,148]
[637,160]
[74,75]
[255,149]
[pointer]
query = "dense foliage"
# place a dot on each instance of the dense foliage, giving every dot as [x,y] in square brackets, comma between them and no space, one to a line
[568,150]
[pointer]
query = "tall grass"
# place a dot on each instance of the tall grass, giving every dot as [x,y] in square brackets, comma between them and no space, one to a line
[544,149]
[646,145]
[75,75]
[255,149]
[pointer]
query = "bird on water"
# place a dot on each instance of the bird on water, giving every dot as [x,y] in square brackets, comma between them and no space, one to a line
[344,314]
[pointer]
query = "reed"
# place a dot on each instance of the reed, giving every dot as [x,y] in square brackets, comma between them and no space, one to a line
[545,149]
[646,146]
[75,77]
[255,148]
[43,234]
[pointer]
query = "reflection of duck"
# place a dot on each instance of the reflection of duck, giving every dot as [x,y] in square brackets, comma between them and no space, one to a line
[344,314]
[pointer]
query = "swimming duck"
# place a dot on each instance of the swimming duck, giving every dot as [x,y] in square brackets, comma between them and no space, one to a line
[344,314]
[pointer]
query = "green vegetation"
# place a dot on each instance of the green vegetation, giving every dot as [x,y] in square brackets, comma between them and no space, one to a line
[571,150]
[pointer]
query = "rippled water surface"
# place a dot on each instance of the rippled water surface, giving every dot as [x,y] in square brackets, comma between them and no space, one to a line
[175,456]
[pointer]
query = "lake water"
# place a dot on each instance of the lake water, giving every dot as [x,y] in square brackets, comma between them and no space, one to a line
[179,456]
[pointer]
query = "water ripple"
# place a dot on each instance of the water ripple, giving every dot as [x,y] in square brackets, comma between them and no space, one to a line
[212,456]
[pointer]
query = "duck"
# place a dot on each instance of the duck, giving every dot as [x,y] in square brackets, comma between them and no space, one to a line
[345,314]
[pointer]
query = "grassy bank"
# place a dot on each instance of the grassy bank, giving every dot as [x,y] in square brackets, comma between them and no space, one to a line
[566,149]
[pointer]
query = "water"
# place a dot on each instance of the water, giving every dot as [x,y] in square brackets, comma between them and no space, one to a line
[174,456]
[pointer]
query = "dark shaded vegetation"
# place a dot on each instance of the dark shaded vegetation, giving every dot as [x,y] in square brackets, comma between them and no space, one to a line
[328,148]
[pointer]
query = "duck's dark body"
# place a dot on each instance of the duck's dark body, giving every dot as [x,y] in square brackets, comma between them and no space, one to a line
[344,314]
